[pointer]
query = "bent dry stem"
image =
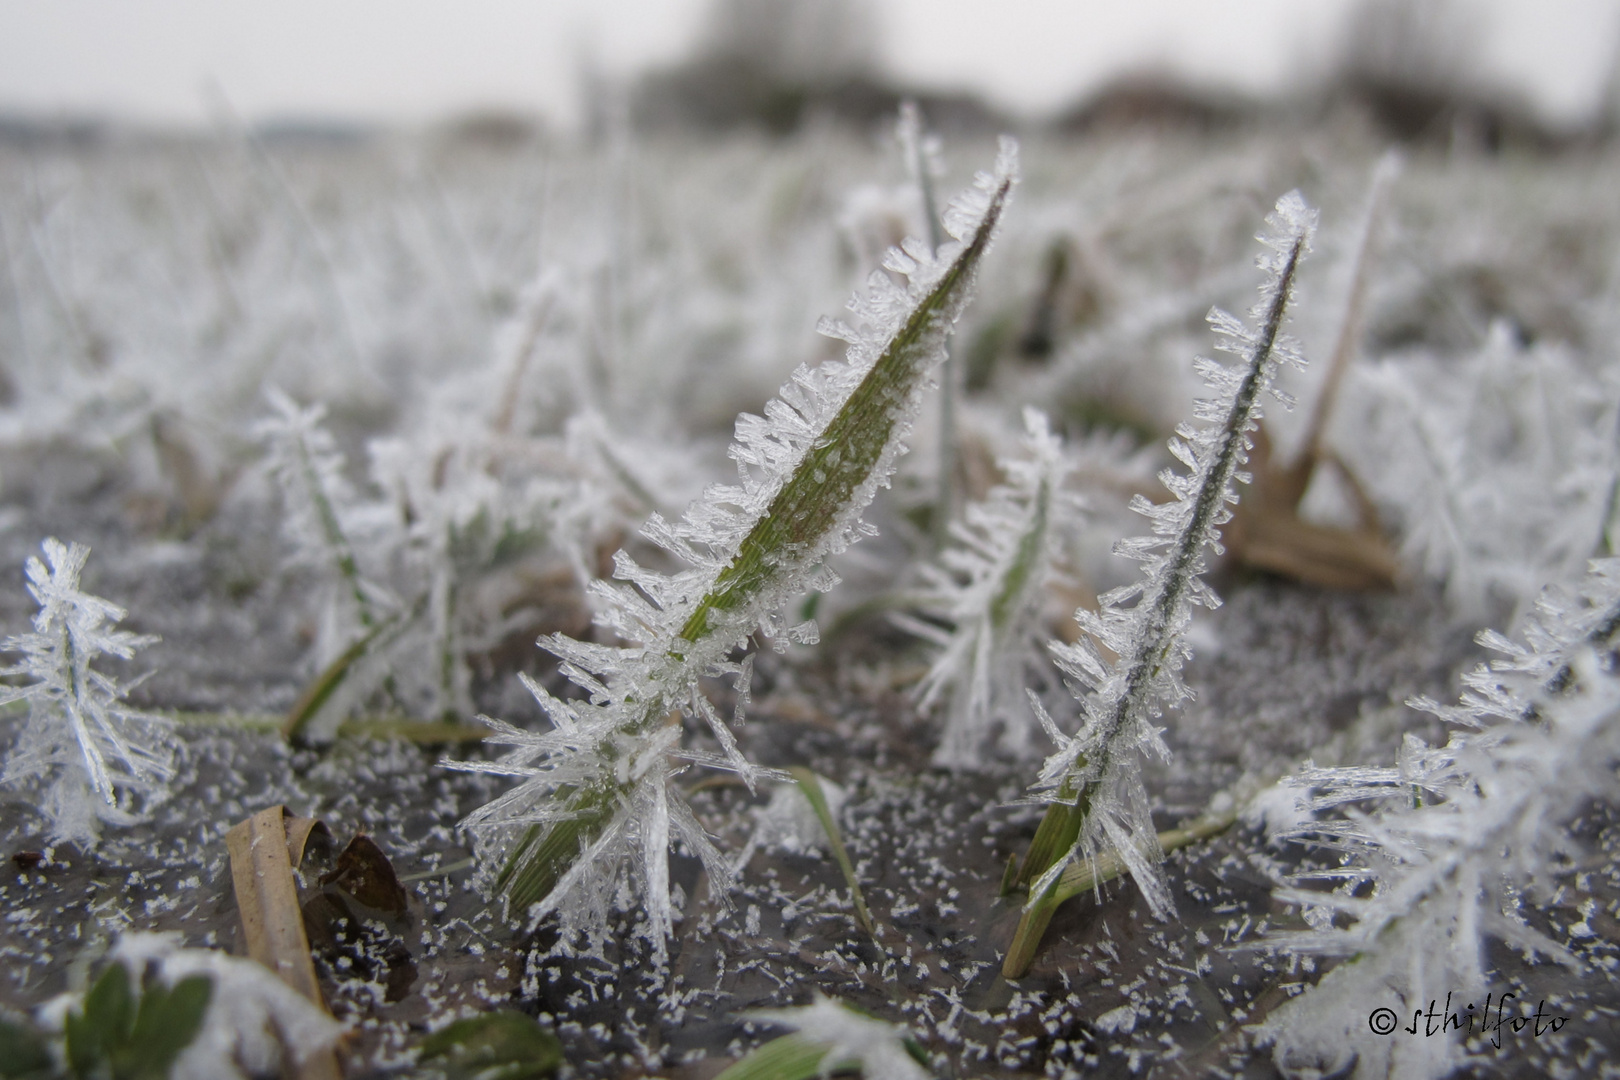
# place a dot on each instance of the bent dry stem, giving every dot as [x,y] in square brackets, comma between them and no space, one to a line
[1060,830]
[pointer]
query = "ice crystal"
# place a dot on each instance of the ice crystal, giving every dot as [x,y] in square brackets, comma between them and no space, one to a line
[1439,848]
[788,822]
[305,462]
[1094,777]
[988,588]
[98,760]
[1558,626]
[595,797]
[851,1038]
[1498,466]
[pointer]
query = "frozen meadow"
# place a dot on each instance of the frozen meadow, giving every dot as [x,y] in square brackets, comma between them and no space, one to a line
[347,426]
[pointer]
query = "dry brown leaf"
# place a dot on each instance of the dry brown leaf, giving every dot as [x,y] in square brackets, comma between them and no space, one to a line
[1267,533]
[365,873]
[272,923]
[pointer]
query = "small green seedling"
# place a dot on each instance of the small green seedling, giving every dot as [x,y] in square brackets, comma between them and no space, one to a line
[501,1045]
[24,1054]
[125,1033]
[832,1039]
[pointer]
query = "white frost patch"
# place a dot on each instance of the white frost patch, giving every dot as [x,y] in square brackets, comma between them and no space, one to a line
[877,1047]
[1120,1021]
[789,823]
[1278,809]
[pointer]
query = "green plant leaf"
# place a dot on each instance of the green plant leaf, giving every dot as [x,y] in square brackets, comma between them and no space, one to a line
[791,1057]
[104,1025]
[811,503]
[320,690]
[167,1021]
[544,854]
[810,785]
[125,1034]
[23,1052]
[502,1045]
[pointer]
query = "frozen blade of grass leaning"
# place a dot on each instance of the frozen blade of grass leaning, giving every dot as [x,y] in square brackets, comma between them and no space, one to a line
[104,762]
[304,460]
[596,795]
[1093,781]
[988,587]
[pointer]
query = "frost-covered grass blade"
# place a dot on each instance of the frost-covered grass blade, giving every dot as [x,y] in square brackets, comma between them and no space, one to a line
[810,785]
[100,760]
[988,587]
[1441,851]
[1093,782]
[596,797]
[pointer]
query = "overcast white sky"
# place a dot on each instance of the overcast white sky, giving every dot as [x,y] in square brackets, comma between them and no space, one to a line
[413,60]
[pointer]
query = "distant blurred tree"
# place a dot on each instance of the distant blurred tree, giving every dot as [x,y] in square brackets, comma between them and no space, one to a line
[771,64]
[763,63]
[814,42]
[1411,43]
[1411,65]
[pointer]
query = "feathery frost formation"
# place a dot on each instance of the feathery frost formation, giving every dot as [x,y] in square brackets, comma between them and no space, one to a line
[1452,837]
[1497,466]
[988,587]
[842,1038]
[1557,628]
[447,508]
[305,462]
[1093,780]
[100,761]
[596,797]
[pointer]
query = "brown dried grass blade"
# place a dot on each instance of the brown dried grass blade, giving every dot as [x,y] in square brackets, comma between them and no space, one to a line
[272,922]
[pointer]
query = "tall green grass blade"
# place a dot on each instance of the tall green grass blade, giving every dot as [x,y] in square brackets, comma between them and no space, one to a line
[812,502]
[1090,775]
[598,797]
[810,785]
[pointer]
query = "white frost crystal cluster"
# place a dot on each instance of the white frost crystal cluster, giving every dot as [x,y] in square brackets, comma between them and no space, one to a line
[306,463]
[988,587]
[596,798]
[1441,848]
[97,760]
[1144,625]
[851,1038]
[788,822]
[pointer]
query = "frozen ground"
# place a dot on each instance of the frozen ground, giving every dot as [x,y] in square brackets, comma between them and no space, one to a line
[150,292]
